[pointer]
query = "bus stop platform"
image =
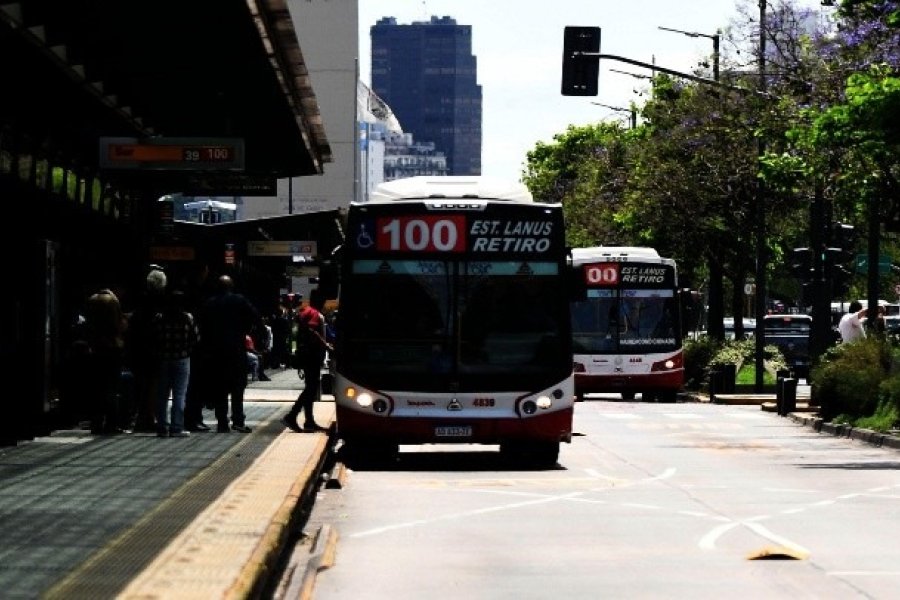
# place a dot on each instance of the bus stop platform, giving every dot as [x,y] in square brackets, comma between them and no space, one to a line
[137,516]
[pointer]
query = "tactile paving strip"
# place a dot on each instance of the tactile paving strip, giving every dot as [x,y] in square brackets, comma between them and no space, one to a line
[218,534]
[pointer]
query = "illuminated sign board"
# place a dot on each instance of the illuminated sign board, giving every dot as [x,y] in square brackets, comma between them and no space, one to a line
[280,248]
[181,154]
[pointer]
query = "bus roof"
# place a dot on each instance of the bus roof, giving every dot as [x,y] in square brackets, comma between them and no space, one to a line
[451,186]
[601,252]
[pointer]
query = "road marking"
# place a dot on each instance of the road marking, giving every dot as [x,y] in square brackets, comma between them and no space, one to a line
[862,573]
[708,541]
[468,513]
[760,530]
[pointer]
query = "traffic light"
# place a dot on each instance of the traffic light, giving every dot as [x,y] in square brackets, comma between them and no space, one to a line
[836,270]
[802,264]
[579,73]
[808,293]
[843,239]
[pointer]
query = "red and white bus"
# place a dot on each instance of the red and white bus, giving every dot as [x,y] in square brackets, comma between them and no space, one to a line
[454,326]
[626,327]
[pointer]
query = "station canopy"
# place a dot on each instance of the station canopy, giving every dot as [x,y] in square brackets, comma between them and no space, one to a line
[83,69]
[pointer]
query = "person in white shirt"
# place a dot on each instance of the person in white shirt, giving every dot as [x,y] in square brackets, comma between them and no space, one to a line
[851,325]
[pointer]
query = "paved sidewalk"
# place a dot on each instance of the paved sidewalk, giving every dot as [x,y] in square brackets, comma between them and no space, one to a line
[136,516]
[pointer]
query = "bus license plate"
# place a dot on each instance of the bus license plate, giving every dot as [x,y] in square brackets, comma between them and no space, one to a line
[454,431]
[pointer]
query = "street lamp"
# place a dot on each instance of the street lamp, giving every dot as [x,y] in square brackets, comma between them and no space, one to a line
[631,111]
[635,75]
[761,253]
[715,39]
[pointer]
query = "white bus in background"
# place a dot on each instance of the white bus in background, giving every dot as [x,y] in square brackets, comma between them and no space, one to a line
[627,328]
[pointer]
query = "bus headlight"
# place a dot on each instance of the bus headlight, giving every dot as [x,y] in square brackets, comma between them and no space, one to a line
[380,405]
[544,402]
[669,364]
[364,400]
[529,407]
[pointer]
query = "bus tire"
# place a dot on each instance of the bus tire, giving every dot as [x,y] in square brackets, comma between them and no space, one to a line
[368,453]
[649,396]
[668,396]
[537,454]
[629,396]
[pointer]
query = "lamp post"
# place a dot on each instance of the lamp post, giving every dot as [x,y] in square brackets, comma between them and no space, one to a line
[760,336]
[635,75]
[715,40]
[631,111]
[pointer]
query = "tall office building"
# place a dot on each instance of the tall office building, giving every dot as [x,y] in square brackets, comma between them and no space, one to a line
[427,74]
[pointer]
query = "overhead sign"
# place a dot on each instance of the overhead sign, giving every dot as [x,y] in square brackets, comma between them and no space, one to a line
[280,248]
[302,271]
[171,253]
[229,184]
[862,264]
[181,154]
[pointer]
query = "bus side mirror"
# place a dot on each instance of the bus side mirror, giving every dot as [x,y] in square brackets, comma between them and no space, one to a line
[330,274]
[575,283]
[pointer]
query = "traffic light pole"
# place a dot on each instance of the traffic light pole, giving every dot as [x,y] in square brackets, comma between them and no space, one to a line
[821,284]
[874,251]
[697,78]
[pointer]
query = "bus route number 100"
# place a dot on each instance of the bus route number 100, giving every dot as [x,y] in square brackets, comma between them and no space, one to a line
[425,233]
[602,274]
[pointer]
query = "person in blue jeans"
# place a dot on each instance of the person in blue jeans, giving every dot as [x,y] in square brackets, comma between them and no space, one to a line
[175,336]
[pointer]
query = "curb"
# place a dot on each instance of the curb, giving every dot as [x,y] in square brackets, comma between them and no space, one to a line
[321,556]
[874,438]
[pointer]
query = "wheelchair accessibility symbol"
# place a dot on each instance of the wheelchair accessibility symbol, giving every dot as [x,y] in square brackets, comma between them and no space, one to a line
[364,239]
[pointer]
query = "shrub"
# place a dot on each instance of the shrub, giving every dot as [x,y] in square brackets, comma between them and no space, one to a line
[889,394]
[697,356]
[847,380]
[884,419]
[702,354]
[743,352]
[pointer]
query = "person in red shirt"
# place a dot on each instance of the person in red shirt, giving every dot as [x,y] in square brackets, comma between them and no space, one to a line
[311,349]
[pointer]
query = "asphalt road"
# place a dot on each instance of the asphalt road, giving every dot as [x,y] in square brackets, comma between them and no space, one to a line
[649,501]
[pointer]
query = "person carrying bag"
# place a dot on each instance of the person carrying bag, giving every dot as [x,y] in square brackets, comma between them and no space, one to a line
[309,356]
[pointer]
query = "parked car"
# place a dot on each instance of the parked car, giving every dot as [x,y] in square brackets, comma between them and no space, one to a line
[749,328]
[790,333]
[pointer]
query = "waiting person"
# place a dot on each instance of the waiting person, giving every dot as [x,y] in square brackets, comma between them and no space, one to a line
[226,319]
[879,325]
[141,356]
[104,332]
[261,337]
[253,358]
[281,337]
[311,349]
[197,397]
[851,325]
[175,336]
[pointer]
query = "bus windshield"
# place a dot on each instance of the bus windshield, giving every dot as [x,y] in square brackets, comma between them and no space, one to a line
[432,321]
[626,320]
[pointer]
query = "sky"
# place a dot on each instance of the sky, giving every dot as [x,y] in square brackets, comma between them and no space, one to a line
[518,47]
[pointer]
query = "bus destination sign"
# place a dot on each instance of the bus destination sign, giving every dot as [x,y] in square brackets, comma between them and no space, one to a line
[611,274]
[181,154]
[455,233]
